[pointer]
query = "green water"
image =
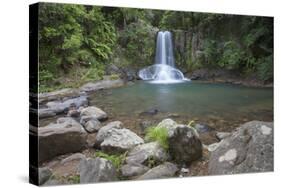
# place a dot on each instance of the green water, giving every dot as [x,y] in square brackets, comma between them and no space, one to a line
[188,100]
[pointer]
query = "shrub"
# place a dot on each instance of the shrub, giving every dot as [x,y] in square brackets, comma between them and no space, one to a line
[158,134]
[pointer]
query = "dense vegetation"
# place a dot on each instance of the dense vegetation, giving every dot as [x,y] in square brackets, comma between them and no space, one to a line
[77,43]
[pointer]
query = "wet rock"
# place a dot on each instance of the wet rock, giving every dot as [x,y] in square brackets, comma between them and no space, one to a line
[222,135]
[184,145]
[94,112]
[131,170]
[164,170]
[103,84]
[248,149]
[201,128]
[44,174]
[149,112]
[104,131]
[96,170]
[141,153]
[65,136]
[120,140]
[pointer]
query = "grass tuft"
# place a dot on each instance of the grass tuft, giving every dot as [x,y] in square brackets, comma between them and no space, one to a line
[158,134]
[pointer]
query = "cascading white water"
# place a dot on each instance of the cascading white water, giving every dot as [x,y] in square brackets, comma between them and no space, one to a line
[163,71]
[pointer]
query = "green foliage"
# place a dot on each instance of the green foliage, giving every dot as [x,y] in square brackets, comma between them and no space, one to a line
[265,68]
[77,42]
[117,160]
[75,179]
[71,35]
[138,41]
[158,134]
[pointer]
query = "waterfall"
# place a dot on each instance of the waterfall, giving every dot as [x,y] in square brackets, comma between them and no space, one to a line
[163,70]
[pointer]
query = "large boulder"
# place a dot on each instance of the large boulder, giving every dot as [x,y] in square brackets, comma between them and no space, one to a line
[96,170]
[64,136]
[164,170]
[132,170]
[104,131]
[248,149]
[94,112]
[120,140]
[184,145]
[141,153]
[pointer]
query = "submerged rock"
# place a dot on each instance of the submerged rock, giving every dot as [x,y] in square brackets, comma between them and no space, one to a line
[65,136]
[248,149]
[164,170]
[131,170]
[184,145]
[140,154]
[96,170]
[120,140]
[201,128]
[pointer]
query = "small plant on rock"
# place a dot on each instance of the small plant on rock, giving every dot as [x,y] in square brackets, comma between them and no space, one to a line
[117,160]
[158,134]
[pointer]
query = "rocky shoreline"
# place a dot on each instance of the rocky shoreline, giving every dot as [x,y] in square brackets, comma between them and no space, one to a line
[69,147]
[83,145]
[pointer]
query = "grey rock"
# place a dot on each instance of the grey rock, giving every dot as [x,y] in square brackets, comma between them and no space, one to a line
[44,174]
[59,95]
[65,136]
[164,170]
[184,145]
[94,112]
[96,170]
[92,126]
[120,140]
[201,128]
[57,107]
[103,132]
[222,135]
[104,84]
[45,112]
[141,153]
[144,125]
[248,149]
[52,182]
[131,170]
[169,124]
[73,157]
